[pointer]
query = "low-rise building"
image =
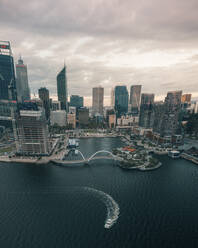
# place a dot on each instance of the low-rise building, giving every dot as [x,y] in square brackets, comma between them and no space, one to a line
[128,120]
[112,120]
[58,117]
[71,120]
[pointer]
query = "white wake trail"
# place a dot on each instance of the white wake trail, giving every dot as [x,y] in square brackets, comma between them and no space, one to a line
[113,209]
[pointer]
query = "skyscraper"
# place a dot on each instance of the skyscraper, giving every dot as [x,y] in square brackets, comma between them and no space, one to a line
[172,108]
[62,88]
[76,101]
[121,100]
[158,109]
[146,119]
[112,97]
[83,117]
[97,100]
[134,101]
[7,75]
[44,96]
[23,91]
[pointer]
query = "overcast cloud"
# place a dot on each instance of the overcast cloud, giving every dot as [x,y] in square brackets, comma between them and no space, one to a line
[151,42]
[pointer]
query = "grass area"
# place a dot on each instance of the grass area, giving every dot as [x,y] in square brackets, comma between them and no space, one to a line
[6,149]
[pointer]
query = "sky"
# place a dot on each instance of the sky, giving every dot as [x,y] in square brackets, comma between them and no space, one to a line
[105,43]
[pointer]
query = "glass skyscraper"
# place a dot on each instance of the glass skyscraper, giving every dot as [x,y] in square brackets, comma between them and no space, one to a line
[121,100]
[62,89]
[76,101]
[7,75]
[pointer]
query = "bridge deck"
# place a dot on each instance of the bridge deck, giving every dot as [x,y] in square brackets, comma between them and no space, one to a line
[86,160]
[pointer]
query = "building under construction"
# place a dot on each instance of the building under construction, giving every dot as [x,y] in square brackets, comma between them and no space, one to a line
[32,133]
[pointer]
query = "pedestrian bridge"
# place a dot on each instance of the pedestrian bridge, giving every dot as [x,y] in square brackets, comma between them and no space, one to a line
[94,156]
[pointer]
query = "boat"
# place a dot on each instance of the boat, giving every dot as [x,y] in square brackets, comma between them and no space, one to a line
[174,154]
[76,152]
[72,143]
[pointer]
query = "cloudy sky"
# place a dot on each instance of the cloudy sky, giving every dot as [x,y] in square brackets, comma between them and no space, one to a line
[105,42]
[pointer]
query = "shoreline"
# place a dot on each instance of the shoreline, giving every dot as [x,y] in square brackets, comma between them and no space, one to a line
[142,167]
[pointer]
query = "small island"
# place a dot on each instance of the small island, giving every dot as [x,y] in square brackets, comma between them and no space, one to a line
[131,158]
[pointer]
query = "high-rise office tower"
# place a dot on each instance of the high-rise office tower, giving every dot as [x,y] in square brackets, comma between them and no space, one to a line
[135,94]
[76,101]
[97,100]
[146,119]
[62,88]
[112,97]
[172,108]
[23,91]
[121,100]
[32,133]
[158,109]
[7,75]
[44,96]
[83,117]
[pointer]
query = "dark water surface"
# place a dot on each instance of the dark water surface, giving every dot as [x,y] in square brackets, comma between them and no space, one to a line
[47,206]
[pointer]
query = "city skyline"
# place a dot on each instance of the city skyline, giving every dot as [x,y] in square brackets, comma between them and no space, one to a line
[143,44]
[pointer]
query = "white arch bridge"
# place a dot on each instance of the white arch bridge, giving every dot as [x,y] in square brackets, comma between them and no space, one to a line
[94,156]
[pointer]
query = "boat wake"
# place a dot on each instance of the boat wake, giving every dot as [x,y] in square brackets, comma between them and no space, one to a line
[113,209]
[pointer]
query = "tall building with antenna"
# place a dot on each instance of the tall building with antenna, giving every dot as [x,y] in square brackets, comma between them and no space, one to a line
[62,88]
[23,91]
[7,75]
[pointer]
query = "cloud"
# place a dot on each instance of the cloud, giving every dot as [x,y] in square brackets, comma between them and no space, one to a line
[105,42]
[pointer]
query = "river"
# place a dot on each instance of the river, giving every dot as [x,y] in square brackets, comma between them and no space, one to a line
[55,206]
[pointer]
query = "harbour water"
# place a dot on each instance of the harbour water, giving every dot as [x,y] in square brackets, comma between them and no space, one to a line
[57,206]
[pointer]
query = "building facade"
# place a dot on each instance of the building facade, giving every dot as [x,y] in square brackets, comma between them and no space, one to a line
[7,74]
[158,109]
[172,107]
[62,89]
[146,118]
[71,120]
[32,133]
[55,105]
[112,120]
[8,111]
[23,91]
[83,117]
[128,120]
[121,100]
[97,100]
[76,101]
[186,98]
[58,117]
[135,95]
[112,97]
[44,96]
